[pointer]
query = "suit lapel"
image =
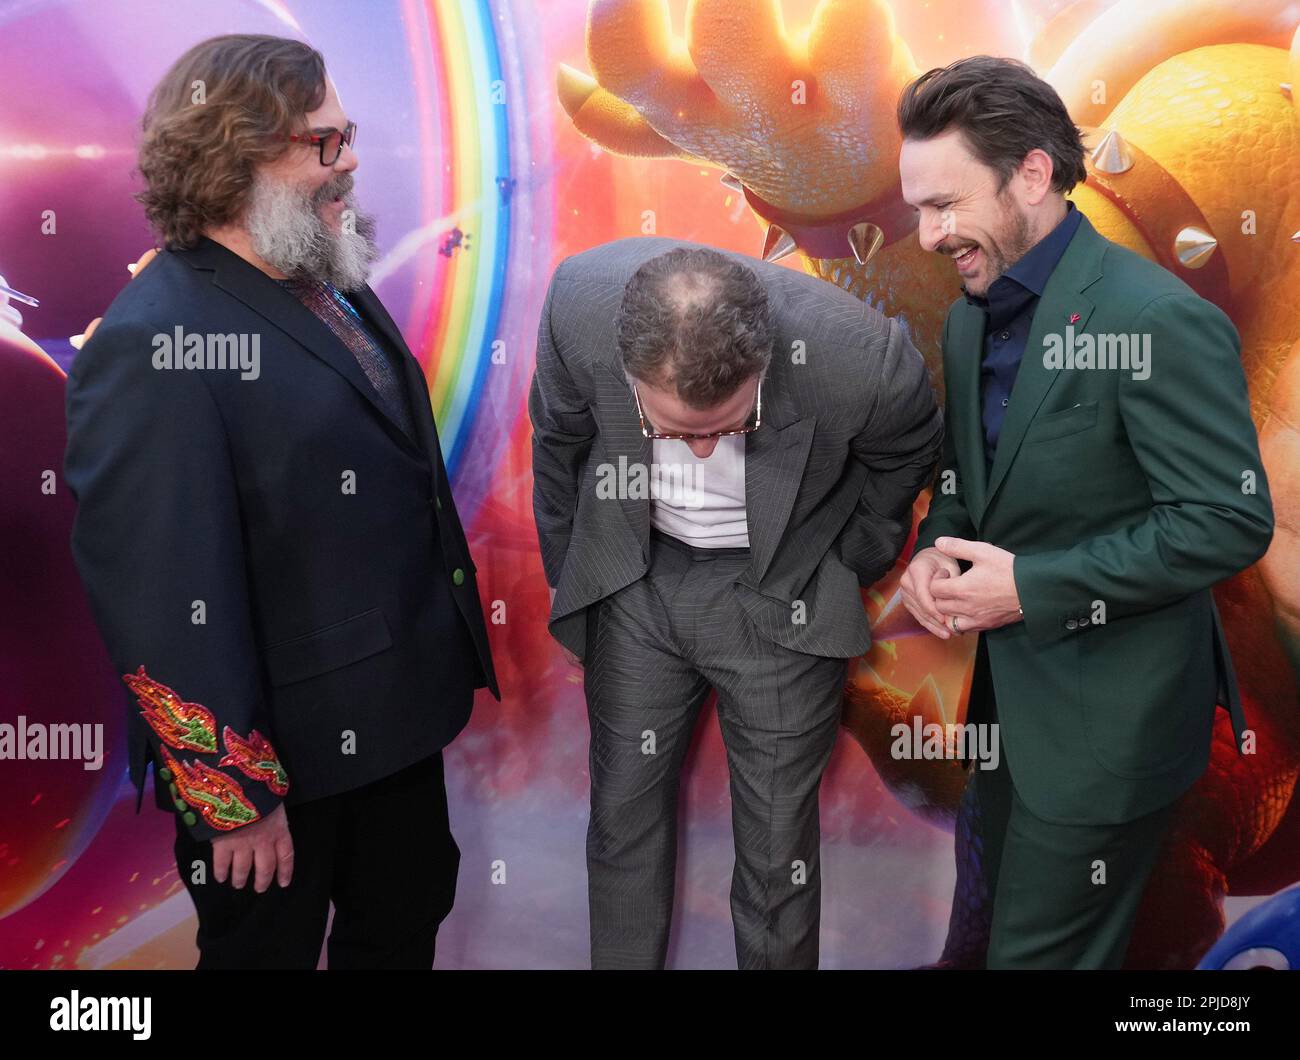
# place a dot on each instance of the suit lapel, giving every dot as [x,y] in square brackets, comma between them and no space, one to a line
[775,456]
[268,299]
[625,446]
[962,365]
[370,307]
[1062,305]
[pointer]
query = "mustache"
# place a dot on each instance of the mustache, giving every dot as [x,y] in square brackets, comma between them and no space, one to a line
[338,188]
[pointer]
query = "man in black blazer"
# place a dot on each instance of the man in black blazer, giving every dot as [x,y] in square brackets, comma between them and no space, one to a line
[267,533]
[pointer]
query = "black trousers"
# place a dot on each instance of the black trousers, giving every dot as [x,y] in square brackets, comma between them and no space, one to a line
[382,853]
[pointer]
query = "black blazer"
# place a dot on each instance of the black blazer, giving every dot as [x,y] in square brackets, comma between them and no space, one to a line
[277,568]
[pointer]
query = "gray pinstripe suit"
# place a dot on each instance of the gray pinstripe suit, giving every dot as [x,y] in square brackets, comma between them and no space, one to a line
[850,434]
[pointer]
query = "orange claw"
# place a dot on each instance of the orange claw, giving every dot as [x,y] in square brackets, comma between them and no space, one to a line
[804,119]
[607,120]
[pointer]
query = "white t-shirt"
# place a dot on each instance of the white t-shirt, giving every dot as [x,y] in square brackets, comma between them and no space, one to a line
[700,502]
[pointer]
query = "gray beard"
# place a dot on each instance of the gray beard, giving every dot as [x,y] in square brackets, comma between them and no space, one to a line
[288,233]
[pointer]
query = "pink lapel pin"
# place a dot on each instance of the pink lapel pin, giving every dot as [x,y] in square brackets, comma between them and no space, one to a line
[1074,318]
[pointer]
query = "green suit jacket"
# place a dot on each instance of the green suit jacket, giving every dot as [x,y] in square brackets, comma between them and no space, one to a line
[1125,495]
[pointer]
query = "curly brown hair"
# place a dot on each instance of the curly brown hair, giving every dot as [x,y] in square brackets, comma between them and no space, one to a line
[220,111]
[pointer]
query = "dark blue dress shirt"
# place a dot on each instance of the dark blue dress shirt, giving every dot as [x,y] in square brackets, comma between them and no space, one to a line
[1008,314]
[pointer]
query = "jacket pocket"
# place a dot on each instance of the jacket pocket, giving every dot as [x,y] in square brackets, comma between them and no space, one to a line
[1147,688]
[329,648]
[1061,424]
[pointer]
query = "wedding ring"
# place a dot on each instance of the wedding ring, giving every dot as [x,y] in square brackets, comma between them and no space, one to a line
[955,627]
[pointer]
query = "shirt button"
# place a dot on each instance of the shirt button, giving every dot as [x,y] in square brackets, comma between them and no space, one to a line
[1071,623]
[1004,402]
[458,577]
[1005,335]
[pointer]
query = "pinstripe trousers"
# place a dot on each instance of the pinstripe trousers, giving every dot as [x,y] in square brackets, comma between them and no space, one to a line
[654,650]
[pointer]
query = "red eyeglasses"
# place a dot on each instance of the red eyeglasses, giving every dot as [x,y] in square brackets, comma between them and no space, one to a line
[331,141]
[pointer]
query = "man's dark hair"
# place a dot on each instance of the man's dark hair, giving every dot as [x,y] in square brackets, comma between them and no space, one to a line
[696,321]
[1002,109]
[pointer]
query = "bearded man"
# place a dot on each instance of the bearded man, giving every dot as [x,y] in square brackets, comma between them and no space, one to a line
[267,533]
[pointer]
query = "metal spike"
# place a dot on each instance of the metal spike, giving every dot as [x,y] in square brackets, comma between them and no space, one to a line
[1112,155]
[732,181]
[1194,246]
[778,243]
[865,239]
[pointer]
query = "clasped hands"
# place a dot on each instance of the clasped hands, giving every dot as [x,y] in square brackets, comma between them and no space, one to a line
[946,601]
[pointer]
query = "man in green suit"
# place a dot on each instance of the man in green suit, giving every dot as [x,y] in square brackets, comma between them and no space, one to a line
[1100,474]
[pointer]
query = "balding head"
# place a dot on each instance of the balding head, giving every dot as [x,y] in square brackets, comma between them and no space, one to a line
[697,323]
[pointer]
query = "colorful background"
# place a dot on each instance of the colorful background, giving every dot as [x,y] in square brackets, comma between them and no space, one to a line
[481,182]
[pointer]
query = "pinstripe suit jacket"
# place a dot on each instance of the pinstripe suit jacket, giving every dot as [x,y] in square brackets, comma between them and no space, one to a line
[850,434]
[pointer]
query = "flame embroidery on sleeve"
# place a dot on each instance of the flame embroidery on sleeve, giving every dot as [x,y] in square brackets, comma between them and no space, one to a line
[218,797]
[256,758]
[185,726]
